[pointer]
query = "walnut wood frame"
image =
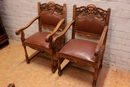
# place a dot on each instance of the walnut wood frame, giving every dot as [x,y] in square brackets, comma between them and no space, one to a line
[46,7]
[89,11]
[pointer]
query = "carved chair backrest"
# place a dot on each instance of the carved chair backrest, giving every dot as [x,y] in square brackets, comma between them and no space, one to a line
[50,14]
[89,20]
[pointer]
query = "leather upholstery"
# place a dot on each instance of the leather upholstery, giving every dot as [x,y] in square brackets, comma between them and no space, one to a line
[80,48]
[50,16]
[38,39]
[89,22]
[89,25]
[50,19]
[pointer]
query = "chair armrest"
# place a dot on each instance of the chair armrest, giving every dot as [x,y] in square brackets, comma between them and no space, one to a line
[17,32]
[63,32]
[97,50]
[56,41]
[49,36]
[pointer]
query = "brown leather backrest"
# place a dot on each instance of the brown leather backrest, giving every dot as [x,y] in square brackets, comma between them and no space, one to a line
[89,25]
[50,19]
[50,14]
[90,20]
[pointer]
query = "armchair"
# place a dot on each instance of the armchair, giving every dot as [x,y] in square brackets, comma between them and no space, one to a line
[51,16]
[88,22]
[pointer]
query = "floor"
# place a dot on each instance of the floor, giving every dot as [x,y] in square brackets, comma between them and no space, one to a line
[14,69]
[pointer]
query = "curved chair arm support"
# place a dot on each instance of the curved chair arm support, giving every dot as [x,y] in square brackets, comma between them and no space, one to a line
[49,36]
[63,32]
[21,29]
[59,40]
[97,50]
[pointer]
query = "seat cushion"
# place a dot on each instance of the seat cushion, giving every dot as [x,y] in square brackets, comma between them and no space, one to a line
[37,39]
[80,49]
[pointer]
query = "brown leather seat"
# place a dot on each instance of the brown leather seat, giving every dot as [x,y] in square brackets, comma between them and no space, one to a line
[38,39]
[83,52]
[51,16]
[89,22]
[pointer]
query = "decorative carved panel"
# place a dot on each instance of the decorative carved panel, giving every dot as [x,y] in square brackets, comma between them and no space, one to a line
[52,7]
[91,11]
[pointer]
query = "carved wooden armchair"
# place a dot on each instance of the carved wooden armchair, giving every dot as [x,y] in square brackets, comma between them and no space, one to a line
[51,16]
[90,22]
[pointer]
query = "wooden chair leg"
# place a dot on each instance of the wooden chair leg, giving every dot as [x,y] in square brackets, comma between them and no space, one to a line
[101,61]
[26,55]
[100,65]
[59,67]
[53,64]
[95,78]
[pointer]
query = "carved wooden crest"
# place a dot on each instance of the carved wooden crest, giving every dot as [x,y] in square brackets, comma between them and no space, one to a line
[52,7]
[91,11]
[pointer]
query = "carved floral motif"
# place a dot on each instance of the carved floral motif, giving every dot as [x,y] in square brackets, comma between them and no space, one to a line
[91,11]
[59,43]
[52,7]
